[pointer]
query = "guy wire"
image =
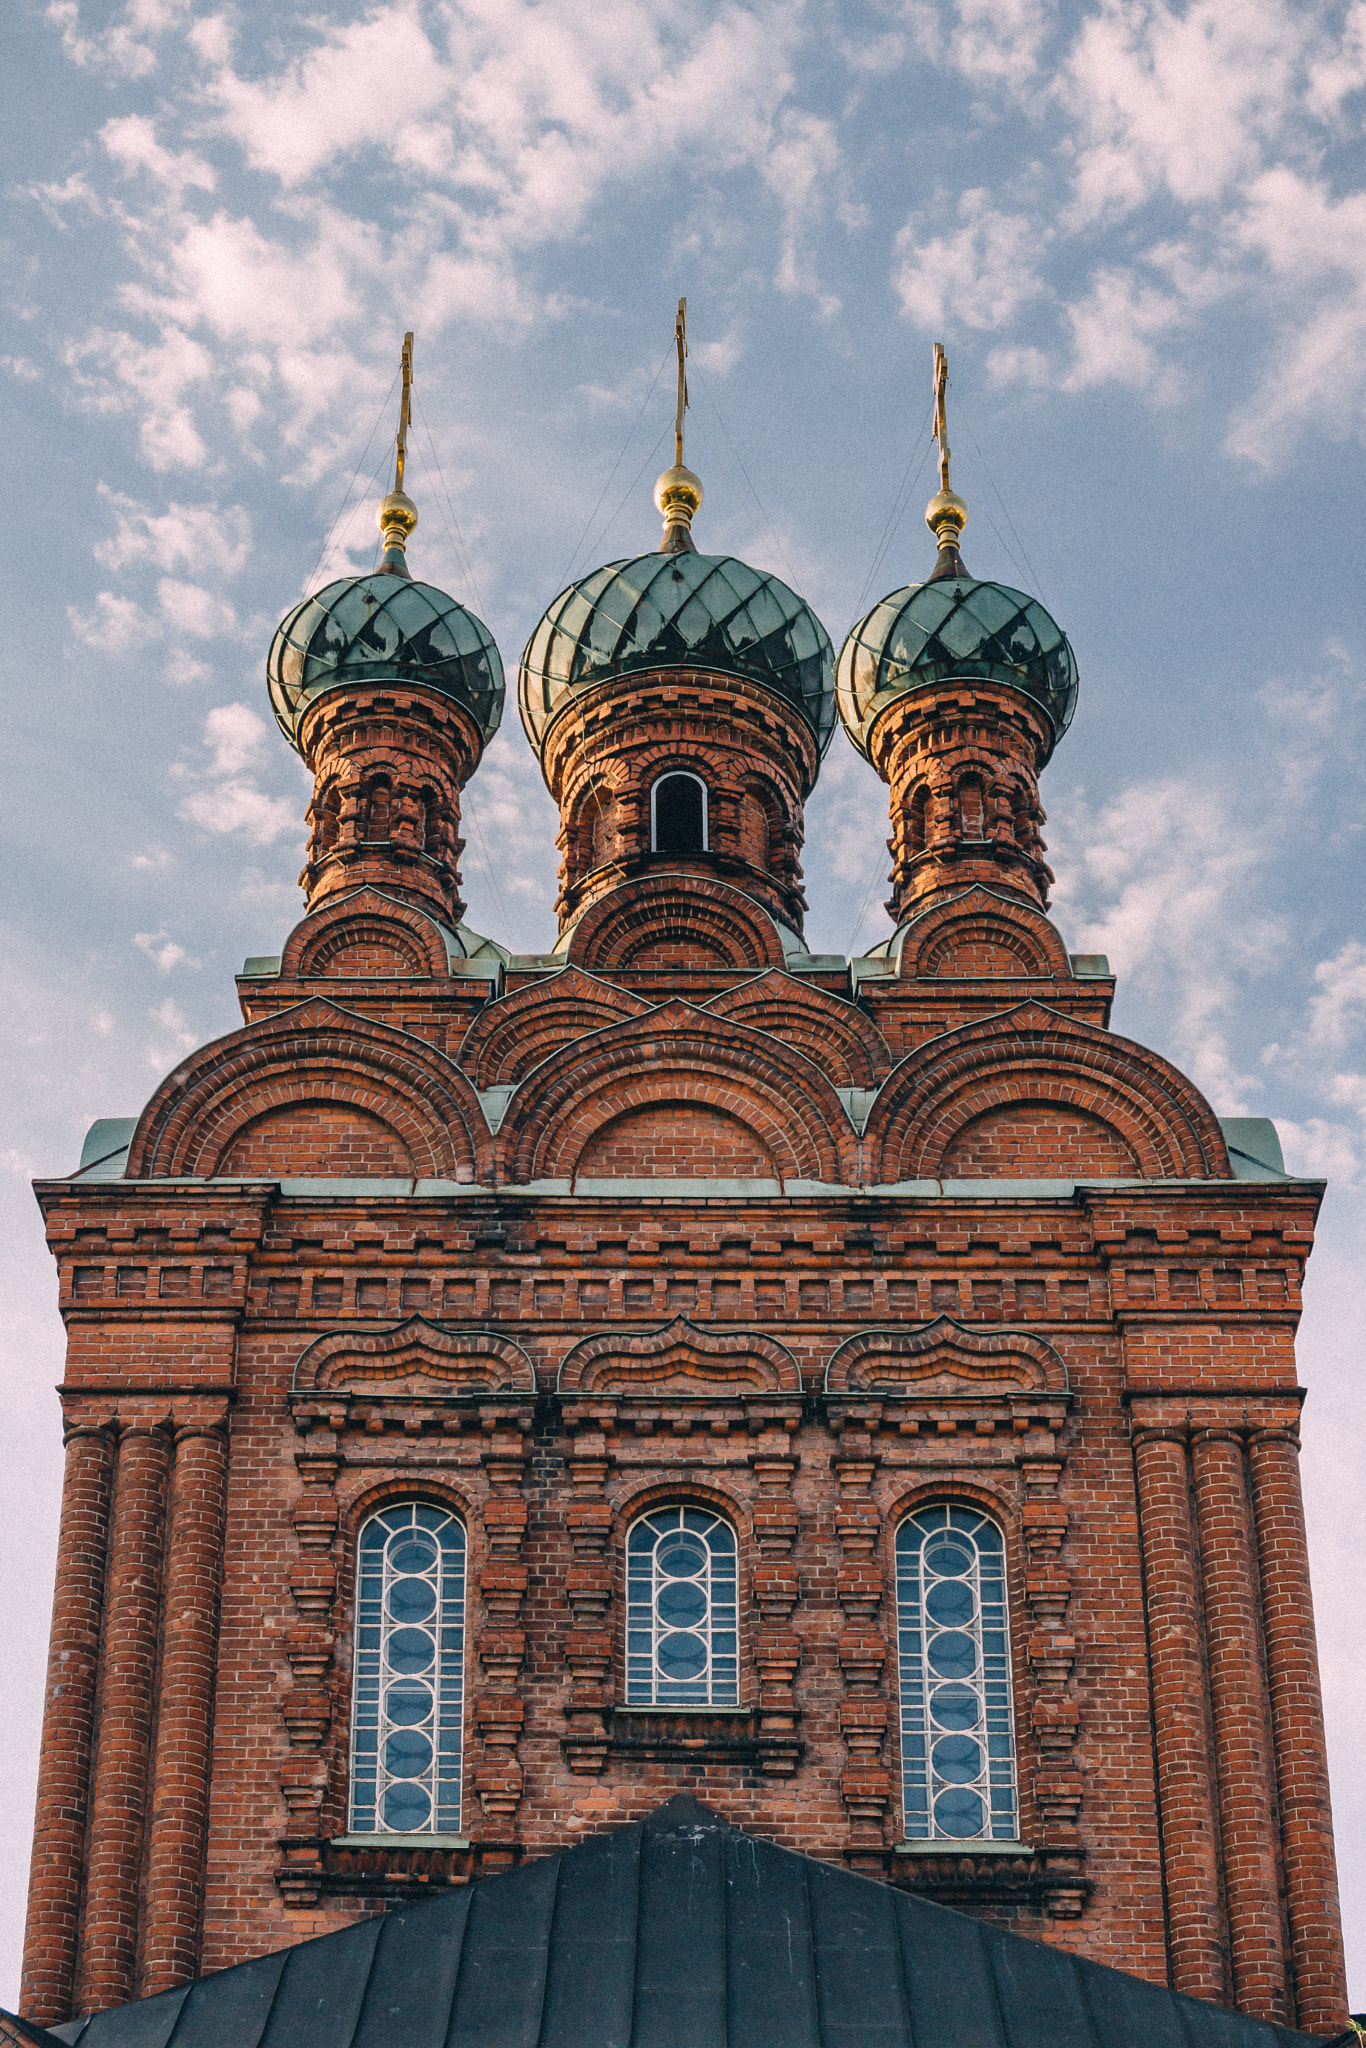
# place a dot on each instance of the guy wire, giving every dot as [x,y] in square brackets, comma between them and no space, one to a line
[322,552]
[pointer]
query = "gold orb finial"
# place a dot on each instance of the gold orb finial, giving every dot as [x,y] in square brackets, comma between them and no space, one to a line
[397,514]
[946,515]
[678,495]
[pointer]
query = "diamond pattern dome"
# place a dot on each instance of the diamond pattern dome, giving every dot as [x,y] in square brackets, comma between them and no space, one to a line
[383,628]
[954,627]
[678,611]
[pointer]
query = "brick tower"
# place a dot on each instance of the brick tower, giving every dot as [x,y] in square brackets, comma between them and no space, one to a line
[504,1391]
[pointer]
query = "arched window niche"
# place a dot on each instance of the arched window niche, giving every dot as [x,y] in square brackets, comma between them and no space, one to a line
[408,1699]
[957,1726]
[678,814]
[682,1649]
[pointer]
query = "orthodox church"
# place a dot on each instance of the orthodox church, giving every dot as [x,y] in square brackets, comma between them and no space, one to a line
[605,1489]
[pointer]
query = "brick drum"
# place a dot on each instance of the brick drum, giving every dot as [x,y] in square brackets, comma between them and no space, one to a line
[682,1214]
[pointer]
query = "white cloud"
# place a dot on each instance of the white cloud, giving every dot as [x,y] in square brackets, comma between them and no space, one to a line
[132,144]
[175,1036]
[1114,330]
[116,626]
[126,46]
[237,734]
[1339,1012]
[227,801]
[195,538]
[1154,880]
[239,807]
[188,608]
[1181,102]
[981,274]
[160,947]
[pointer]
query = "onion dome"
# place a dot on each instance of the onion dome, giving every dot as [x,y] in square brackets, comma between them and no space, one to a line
[678,610]
[949,629]
[385,628]
[953,628]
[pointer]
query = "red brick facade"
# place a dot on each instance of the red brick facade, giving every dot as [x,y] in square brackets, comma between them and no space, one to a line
[682,1214]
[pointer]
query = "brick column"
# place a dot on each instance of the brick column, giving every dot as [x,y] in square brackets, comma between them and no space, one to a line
[68,1729]
[1297,1725]
[180,1784]
[128,1669]
[1190,1825]
[1251,1879]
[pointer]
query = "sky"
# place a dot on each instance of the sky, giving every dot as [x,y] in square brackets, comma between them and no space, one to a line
[1139,229]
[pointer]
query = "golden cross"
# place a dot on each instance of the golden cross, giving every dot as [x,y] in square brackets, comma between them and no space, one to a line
[681,344]
[941,378]
[405,412]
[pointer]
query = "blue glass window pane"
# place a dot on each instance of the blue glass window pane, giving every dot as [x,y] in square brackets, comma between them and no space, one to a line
[681,1643]
[407,1700]
[954,1673]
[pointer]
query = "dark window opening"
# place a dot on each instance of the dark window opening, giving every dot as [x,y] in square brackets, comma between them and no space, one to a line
[679,803]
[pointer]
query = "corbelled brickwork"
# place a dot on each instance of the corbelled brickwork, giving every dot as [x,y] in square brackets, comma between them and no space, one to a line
[682,1216]
[389,764]
[962,761]
[756,754]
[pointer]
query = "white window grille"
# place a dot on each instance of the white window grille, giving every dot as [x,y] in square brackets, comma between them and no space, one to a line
[681,1642]
[957,1727]
[407,1717]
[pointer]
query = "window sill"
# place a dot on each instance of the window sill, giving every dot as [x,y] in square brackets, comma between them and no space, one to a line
[386,1841]
[947,1845]
[691,1713]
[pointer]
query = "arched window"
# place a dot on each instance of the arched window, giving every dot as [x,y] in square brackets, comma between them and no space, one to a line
[681,1648]
[917,820]
[407,1714]
[957,1730]
[678,814]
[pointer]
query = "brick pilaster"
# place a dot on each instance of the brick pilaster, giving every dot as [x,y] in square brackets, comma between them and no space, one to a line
[865,1783]
[180,1783]
[127,1673]
[501,1644]
[1251,1878]
[68,1729]
[1190,1824]
[1297,1722]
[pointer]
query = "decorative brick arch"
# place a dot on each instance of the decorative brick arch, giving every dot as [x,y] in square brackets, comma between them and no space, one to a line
[438,1489]
[679,1489]
[444,1361]
[510,1037]
[682,1358]
[678,1055]
[982,934]
[848,1048]
[349,937]
[945,1357]
[1032,1063]
[670,915]
[313,1056]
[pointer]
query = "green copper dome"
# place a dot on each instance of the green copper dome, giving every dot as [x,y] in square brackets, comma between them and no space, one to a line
[678,610]
[948,628]
[383,628]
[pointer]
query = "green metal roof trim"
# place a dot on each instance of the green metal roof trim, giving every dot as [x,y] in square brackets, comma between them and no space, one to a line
[383,628]
[954,627]
[678,1930]
[678,611]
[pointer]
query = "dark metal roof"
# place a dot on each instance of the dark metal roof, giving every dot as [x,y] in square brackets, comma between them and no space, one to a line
[680,1932]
